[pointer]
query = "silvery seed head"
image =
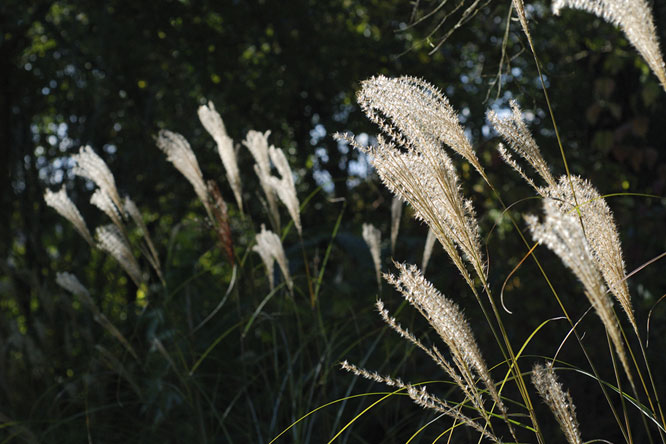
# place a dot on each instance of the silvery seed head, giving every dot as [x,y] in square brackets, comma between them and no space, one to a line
[90,166]
[559,401]
[285,187]
[269,247]
[111,240]
[180,154]
[212,121]
[634,18]
[61,202]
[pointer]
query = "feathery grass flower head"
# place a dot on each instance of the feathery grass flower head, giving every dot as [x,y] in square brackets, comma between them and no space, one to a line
[373,237]
[431,186]
[635,20]
[448,321]
[61,202]
[559,401]
[422,398]
[257,143]
[180,154]
[92,167]
[111,240]
[212,121]
[269,247]
[417,119]
[513,129]
[284,186]
[600,231]
[102,201]
[416,115]
[562,233]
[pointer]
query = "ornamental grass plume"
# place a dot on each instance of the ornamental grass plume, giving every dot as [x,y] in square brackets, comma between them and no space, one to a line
[513,129]
[396,215]
[423,398]
[562,233]
[285,187]
[111,240]
[90,166]
[559,401]
[635,20]
[61,202]
[180,154]
[257,143]
[571,194]
[468,365]
[101,200]
[373,237]
[415,115]
[431,186]
[213,123]
[413,165]
[269,247]
[601,234]
[451,326]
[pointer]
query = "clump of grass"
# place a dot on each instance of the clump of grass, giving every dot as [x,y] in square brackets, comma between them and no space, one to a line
[416,121]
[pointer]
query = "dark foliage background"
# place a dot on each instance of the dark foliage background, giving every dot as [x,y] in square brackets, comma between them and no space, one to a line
[111,74]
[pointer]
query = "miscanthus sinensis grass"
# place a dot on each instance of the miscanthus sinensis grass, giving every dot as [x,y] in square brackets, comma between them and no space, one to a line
[417,122]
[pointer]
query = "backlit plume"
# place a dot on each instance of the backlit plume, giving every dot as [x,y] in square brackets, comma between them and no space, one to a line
[562,233]
[61,202]
[284,186]
[516,134]
[600,232]
[417,120]
[90,166]
[634,18]
[212,121]
[430,184]
[102,201]
[257,143]
[269,247]
[180,154]
[416,115]
[449,323]
[111,240]
[559,401]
